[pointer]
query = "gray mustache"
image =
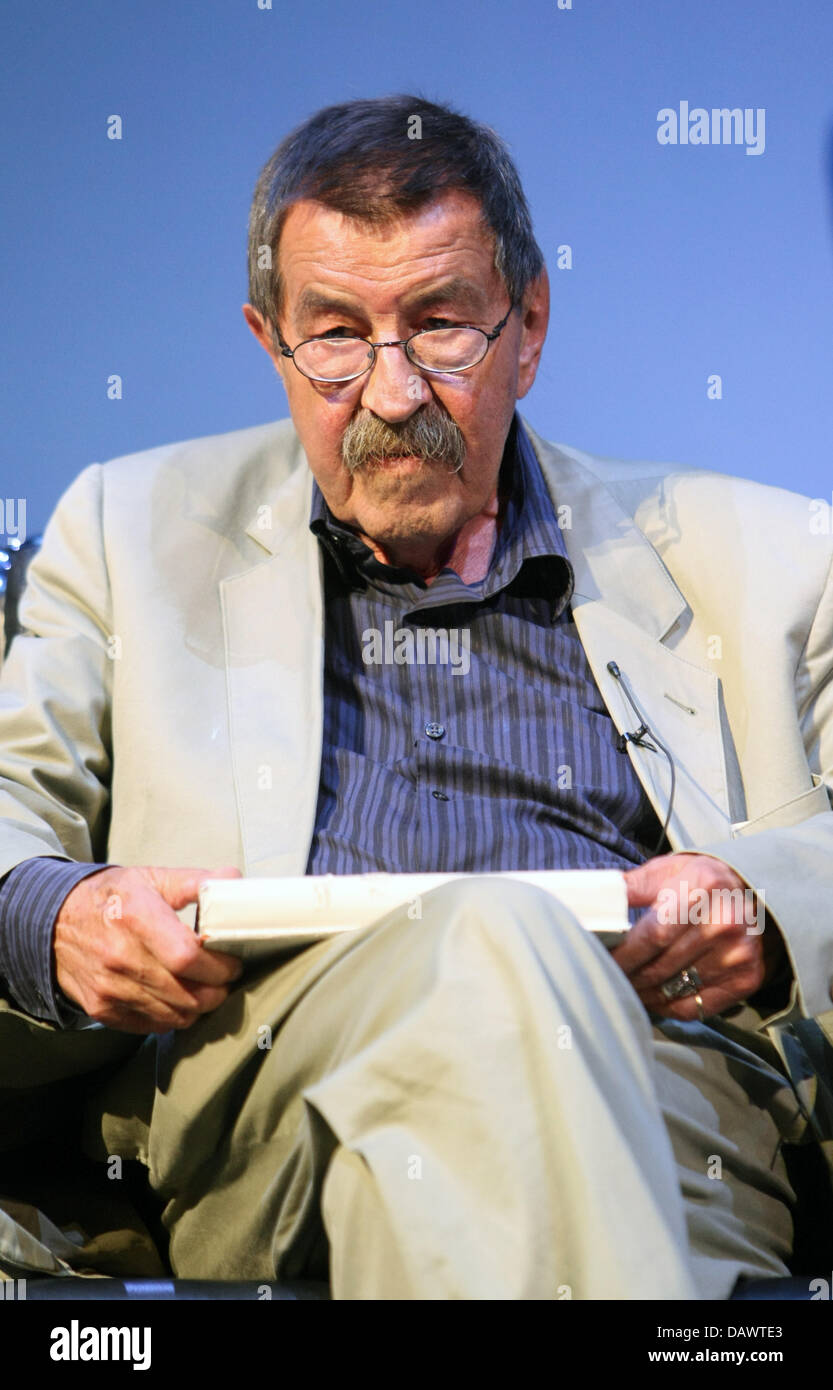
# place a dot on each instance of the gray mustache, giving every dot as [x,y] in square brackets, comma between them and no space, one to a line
[431,436]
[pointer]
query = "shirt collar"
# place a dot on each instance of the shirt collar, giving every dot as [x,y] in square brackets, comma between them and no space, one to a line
[530,531]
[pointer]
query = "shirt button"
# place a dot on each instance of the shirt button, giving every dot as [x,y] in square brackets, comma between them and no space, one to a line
[435,730]
[439,796]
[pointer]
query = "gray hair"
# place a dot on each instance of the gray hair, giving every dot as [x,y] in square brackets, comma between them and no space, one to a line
[380,159]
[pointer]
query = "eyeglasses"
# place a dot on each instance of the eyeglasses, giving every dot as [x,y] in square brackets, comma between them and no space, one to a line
[444,350]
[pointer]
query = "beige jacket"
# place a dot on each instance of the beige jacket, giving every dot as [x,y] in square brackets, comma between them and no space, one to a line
[167,706]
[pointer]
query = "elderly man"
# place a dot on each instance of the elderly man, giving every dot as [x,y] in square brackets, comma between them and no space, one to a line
[480,1101]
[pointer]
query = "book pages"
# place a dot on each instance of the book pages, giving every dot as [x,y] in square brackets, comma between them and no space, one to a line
[252,917]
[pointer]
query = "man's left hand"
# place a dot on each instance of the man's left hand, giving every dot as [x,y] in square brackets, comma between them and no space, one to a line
[696,918]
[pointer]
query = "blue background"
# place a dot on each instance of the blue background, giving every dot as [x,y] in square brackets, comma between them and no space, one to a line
[129,256]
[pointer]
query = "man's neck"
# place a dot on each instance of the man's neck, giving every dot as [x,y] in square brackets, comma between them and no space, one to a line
[468,552]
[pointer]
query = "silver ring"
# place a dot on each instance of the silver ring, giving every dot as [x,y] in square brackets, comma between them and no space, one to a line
[681,985]
[699,1002]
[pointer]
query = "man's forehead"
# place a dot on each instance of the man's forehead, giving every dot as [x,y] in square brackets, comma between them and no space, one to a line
[445,244]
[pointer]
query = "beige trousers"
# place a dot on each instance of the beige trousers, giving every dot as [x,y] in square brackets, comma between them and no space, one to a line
[471,1104]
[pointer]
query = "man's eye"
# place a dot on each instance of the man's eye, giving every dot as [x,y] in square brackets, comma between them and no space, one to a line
[339,332]
[438,323]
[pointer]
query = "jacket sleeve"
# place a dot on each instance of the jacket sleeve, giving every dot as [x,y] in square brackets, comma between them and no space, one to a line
[31,897]
[792,863]
[55,693]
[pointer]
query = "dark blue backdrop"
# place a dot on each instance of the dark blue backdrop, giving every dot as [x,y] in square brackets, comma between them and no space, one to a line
[128,256]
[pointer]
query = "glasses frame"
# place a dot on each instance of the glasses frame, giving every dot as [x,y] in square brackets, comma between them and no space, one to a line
[405,343]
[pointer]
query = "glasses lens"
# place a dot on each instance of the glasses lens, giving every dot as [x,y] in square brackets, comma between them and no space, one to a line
[333,359]
[449,349]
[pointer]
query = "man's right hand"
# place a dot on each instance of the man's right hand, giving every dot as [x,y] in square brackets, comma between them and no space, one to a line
[123,955]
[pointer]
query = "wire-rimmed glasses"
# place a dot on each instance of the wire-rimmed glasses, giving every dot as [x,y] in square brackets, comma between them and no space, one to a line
[442,350]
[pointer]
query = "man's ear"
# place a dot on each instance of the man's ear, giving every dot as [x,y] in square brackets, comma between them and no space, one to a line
[262,331]
[535,317]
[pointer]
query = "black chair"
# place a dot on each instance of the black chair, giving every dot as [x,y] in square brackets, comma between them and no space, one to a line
[14,562]
[815,1215]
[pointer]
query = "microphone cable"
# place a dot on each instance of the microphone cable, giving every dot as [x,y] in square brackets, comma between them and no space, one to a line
[638,737]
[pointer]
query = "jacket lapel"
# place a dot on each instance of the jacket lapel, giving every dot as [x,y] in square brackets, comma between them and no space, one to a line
[626,606]
[272,619]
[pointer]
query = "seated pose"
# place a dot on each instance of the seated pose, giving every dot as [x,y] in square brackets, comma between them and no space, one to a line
[402,632]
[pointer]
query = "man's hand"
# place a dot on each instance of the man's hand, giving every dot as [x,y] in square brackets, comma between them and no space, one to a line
[123,955]
[696,917]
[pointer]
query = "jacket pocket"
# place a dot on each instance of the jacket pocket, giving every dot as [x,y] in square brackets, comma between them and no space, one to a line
[792,812]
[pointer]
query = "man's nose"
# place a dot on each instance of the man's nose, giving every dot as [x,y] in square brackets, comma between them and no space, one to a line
[394,388]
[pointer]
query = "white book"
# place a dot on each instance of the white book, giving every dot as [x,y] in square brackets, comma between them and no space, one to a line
[253,917]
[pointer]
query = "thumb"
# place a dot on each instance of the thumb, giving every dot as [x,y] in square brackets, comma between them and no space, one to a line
[179,887]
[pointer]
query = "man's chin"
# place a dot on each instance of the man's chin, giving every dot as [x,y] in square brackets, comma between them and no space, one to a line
[399,503]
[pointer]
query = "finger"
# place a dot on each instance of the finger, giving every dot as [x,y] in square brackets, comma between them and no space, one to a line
[668,875]
[144,915]
[644,881]
[646,940]
[207,968]
[124,1002]
[667,926]
[694,946]
[180,887]
[734,966]
[143,977]
[133,1006]
[714,1000]
[648,982]
[210,967]
[119,924]
[656,1003]
[187,1005]
[201,999]
[127,960]
[118,950]
[127,1020]
[737,959]
[723,939]
[734,984]
[208,997]
[230,967]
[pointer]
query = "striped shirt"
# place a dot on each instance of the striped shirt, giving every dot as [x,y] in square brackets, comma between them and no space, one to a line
[486,745]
